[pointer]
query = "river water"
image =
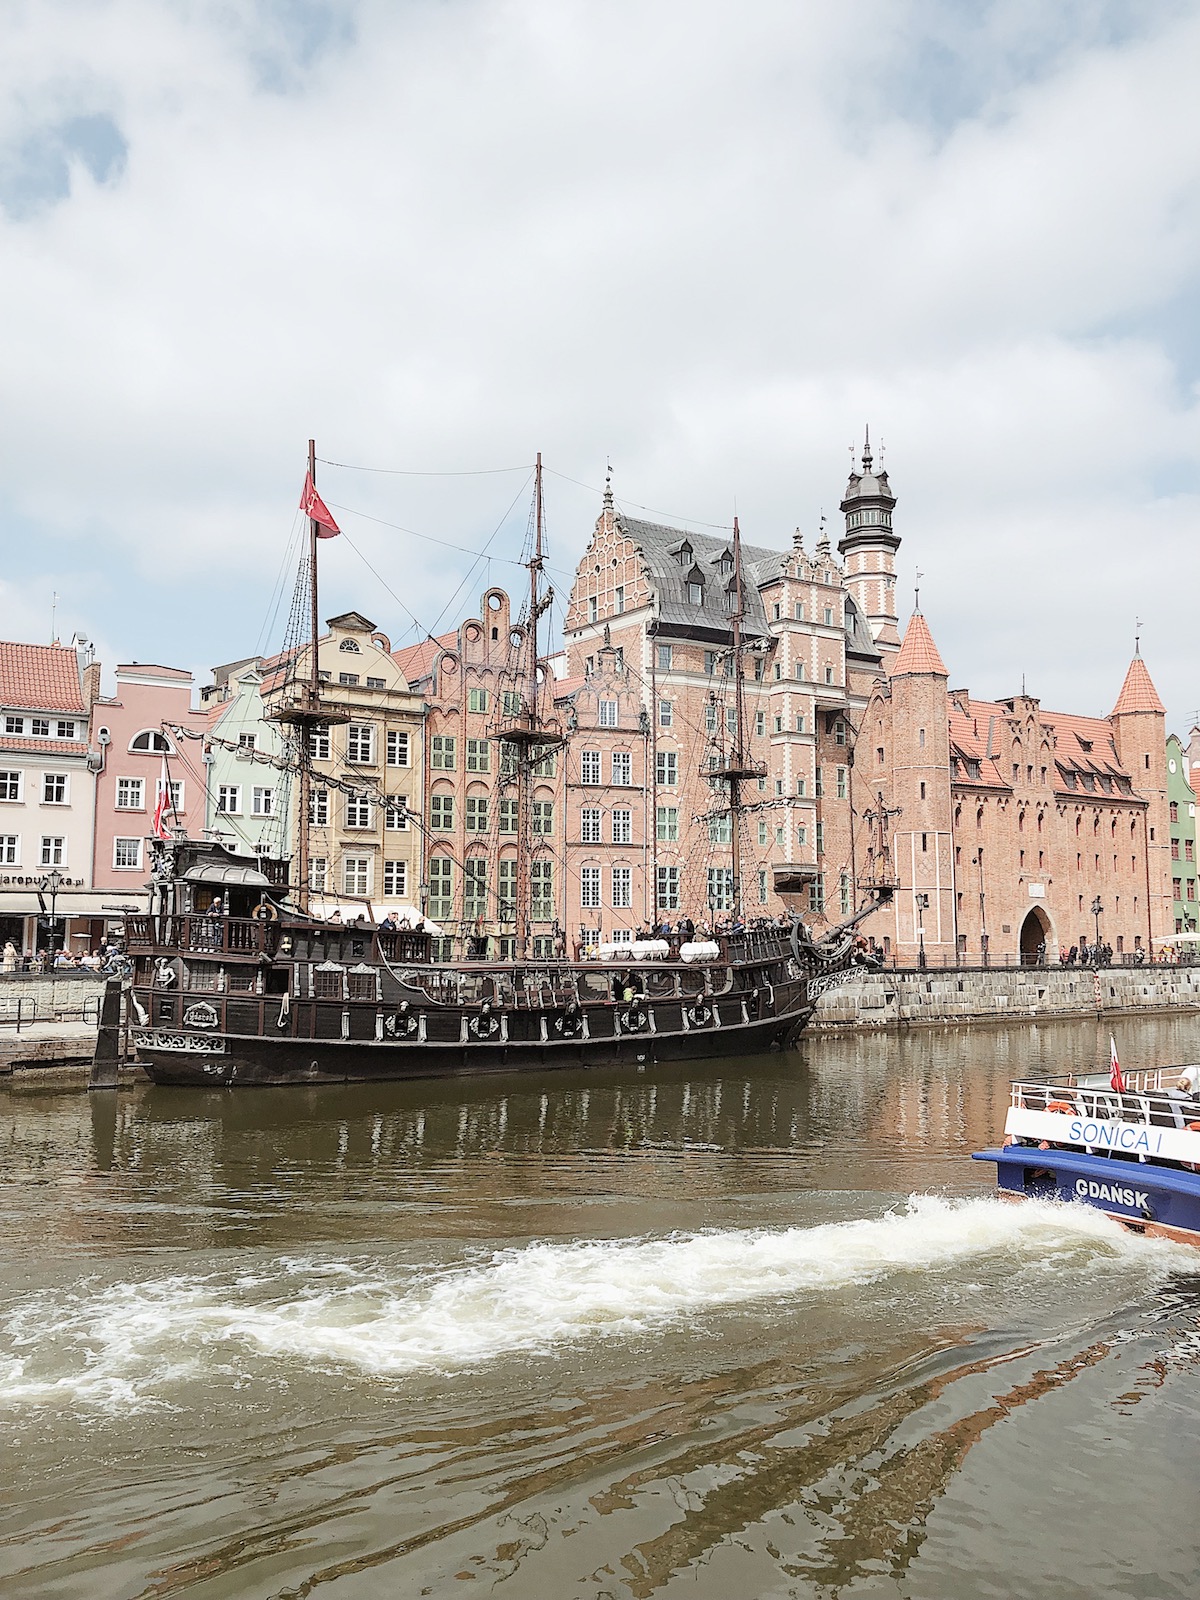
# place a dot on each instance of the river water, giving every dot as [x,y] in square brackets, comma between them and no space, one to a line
[746,1329]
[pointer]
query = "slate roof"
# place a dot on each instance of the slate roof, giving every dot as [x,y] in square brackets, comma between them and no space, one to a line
[660,547]
[918,653]
[1138,692]
[40,677]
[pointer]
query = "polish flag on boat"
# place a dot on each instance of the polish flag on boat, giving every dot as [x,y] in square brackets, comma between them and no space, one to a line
[1118,1078]
[315,508]
[162,802]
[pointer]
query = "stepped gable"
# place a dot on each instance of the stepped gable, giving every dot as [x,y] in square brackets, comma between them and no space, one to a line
[918,654]
[1138,692]
[40,677]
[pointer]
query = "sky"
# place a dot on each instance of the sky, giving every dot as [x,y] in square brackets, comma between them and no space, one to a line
[706,243]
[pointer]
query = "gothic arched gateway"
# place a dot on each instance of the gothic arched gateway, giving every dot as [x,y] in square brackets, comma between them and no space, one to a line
[1035,938]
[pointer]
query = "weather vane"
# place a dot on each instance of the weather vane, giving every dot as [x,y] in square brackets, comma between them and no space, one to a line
[917,591]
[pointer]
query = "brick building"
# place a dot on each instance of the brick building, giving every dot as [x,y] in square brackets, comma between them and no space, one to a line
[475,686]
[1016,831]
[1181,804]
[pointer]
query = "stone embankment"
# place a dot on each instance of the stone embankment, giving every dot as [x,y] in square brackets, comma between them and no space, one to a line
[902,999]
[48,1020]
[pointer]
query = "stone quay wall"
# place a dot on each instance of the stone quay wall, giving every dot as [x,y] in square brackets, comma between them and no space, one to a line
[904,998]
[44,996]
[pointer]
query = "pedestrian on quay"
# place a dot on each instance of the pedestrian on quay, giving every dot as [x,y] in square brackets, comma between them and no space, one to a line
[11,958]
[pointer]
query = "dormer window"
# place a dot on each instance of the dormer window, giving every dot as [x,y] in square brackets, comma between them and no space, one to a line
[350,646]
[685,554]
[725,564]
[695,594]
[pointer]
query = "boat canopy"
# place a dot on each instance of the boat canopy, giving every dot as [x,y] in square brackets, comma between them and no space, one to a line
[226,872]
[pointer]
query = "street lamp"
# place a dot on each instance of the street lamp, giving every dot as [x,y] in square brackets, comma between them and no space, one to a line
[53,882]
[922,907]
[1097,908]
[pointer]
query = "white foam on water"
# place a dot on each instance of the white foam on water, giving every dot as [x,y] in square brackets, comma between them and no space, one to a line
[128,1343]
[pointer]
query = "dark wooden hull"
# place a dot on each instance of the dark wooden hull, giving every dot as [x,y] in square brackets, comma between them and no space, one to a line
[250,1061]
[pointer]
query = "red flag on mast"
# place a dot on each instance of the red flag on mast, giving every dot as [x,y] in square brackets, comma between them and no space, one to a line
[162,802]
[1116,1077]
[314,507]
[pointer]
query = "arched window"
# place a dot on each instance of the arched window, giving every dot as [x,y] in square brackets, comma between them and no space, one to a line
[151,742]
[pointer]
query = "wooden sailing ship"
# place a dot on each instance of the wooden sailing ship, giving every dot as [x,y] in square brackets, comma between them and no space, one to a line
[261,991]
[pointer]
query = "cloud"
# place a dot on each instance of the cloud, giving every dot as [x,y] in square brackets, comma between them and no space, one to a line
[711,246]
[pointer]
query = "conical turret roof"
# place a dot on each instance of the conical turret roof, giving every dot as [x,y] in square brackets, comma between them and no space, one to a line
[918,653]
[1138,692]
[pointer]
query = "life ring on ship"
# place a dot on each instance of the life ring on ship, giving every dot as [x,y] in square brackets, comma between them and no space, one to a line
[484,1026]
[570,1024]
[700,1015]
[401,1024]
[1063,1106]
[264,911]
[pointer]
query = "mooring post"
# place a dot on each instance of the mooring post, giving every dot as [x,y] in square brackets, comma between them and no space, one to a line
[106,1062]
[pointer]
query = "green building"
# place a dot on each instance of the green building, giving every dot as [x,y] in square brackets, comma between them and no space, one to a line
[1181,800]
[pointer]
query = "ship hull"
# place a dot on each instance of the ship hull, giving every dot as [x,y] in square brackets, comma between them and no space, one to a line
[1158,1201]
[229,1060]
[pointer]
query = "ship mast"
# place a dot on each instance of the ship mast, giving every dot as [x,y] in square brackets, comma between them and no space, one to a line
[737,766]
[314,696]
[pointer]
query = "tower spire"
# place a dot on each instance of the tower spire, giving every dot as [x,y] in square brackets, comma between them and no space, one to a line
[867,458]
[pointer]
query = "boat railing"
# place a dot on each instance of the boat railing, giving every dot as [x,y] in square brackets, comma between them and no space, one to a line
[201,934]
[1147,1106]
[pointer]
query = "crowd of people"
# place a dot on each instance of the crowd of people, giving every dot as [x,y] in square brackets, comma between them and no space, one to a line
[105,960]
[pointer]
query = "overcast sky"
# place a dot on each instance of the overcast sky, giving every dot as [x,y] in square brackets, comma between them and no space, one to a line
[709,241]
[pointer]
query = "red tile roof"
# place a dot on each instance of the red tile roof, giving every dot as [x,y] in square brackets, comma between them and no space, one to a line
[918,653]
[416,660]
[50,748]
[1138,692]
[39,677]
[1083,756]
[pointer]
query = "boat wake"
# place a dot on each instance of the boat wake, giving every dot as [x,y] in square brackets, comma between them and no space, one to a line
[129,1343]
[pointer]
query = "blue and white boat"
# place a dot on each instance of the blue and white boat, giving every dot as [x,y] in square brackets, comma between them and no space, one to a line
[1132,1153]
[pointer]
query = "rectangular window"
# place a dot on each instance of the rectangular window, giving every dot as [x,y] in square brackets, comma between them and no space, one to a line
[511,703]
[318,872]
[622,827]
[127,853]
[819,834]
[442,752]
[318,807]
[397,748]
[710,718]
[1189,850]
[589,888]
[10,850]
[608,713]
[54,850]
[844,892]
[360,744]
[763,838]
[667,825]
[667,889]
[545,767]
[229,799]
[801,786]
[318,743]
[64,730]
[720,830]
[841,783]
[622,888]
[819,783]
[348,680]
[666,713]
[14,724]
[131,793]
[589,825]
[358,813]
[507,909]
[441,888]
[54,788]
[593,608]
[441,814]
[802,836]
[395,813]
[509,759]
[356,875]
[620,598]
[475,888]
[839,731]
[664,658]
[799,611]
[816,893]
[508,816]
[543,817]
[622,768]
[376,683]
[477,700]
[477,813]
[541,885]
[777,724]
[40,727]
[247,741]
[666,769]
[720,888]
[479,754]
[1174,849]
[710,662]
[589,766]
[263,802]
[731,720]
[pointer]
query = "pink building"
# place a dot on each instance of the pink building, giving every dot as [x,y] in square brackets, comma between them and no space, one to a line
[128,731]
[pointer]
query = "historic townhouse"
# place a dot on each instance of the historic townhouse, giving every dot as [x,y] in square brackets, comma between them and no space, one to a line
[250,765]
[364,849]
[47,796]
[475,684]
[1181,805]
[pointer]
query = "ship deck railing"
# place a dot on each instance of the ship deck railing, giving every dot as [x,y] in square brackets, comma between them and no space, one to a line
[1150,1098]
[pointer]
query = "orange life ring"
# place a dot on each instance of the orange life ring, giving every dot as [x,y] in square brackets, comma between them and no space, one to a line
[1061,1105]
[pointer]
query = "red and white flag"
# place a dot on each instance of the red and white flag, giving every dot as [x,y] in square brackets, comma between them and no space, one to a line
[315,508]
[162,802]
[1117,1078]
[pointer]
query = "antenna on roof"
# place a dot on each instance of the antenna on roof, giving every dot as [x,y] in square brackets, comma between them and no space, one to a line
[53,611]
[917,591]
[882,447]
[1023,695]
[1137,636]
[608,498]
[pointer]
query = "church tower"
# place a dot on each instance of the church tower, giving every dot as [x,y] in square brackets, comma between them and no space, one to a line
[869,547]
